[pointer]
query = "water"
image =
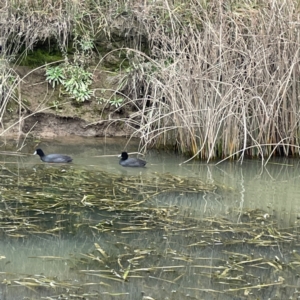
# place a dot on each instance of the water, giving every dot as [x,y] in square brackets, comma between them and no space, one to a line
[96,230]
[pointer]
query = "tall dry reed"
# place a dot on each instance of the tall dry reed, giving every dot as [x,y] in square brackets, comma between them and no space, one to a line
[223,77]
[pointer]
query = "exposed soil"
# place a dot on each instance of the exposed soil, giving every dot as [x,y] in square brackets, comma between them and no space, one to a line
[51,125]
[45,112]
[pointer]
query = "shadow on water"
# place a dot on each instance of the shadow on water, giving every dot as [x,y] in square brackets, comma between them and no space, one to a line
[95,230]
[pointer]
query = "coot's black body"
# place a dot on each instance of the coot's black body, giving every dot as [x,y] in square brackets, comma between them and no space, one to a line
[53,158]
[126,161]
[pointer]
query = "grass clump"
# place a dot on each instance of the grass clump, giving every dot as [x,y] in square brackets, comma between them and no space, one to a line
[39,57]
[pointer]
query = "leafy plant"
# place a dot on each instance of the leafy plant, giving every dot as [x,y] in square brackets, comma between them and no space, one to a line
[82,94]
[56,105]
[77,83]
[10,109]
[55,75]
[86,44]
[116,102]
[74,79]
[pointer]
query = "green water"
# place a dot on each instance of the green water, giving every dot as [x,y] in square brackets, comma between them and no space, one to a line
[95,230]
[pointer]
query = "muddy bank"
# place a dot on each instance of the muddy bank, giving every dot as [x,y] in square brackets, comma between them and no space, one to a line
[51,125]
[46,112]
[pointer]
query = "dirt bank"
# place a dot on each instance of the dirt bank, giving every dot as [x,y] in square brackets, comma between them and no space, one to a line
[46,112]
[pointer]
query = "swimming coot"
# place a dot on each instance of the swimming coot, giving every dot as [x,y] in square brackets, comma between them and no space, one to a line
[125,161]
[53,158]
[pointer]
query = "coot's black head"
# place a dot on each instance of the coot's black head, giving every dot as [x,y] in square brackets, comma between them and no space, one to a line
[124,155]
[39,152]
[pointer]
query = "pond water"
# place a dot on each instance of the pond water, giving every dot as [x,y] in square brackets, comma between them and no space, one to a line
[95,230]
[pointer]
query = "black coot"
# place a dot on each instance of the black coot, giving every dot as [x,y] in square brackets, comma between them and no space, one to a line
[53,158]
[126,161]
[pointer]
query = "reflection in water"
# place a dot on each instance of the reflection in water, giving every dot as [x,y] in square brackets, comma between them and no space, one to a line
[95,230]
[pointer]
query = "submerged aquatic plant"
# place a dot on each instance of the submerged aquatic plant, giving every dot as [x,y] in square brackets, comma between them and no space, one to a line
[126,235]
[93,190]
[48,205]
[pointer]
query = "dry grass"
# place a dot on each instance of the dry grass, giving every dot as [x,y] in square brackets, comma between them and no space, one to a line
[226,80]
[222,80]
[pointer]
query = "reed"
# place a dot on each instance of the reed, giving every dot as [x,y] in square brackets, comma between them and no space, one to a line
[225,78]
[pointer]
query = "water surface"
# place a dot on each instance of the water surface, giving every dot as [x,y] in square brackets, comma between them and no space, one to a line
[96,230]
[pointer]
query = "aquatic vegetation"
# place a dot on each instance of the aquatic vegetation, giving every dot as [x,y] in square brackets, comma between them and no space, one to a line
[51,191]
[133,237]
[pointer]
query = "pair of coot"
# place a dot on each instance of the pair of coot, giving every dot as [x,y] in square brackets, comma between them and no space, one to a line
[125,161]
